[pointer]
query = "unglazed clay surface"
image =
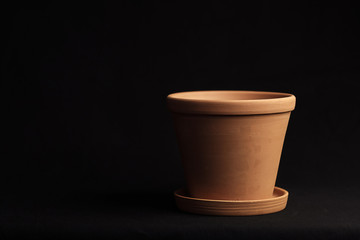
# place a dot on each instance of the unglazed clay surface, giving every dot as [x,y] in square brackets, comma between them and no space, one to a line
[276,203]
[231,157]
[230,102]
[230,141]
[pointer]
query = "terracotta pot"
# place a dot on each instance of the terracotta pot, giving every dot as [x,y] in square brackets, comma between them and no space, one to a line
[230,141]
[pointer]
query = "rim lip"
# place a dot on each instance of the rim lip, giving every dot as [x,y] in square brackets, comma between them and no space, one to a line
[277,102]
[282,194]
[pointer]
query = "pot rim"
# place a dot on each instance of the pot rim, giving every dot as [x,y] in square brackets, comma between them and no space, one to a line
[230,102]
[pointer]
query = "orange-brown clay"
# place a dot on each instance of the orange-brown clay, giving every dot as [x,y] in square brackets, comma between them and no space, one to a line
[230,141]
[232,207]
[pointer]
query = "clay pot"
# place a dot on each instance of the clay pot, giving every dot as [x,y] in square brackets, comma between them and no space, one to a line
[230,141]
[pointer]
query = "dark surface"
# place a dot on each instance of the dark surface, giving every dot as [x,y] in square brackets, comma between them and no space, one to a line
[322,214]
[88,148]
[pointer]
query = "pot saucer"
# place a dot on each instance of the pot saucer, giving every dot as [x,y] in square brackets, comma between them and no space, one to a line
[232,207]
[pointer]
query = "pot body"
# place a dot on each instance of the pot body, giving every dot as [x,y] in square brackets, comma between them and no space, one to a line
[230,157]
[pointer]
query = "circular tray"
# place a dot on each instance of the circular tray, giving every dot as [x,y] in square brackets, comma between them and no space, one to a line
[232,207]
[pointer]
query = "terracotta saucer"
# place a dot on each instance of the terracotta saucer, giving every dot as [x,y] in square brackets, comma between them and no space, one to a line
[232,207]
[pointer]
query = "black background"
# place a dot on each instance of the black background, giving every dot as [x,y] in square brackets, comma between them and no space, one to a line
[88,147]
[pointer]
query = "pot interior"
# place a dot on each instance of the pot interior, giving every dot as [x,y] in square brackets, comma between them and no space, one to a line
[228,95]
